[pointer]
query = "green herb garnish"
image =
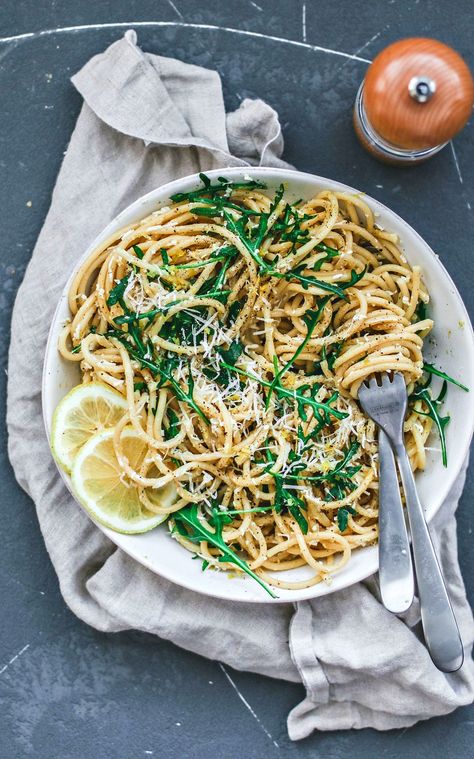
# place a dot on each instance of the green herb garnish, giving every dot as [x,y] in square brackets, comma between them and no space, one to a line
[308,280]
[195,531]
[340,472]
[232,353]
[310,318]
[223,186]
[296,395]
[433,370]
[343,517]
[234,310]
[164,367]
[423,393]
[116,293]
[173,424]
[285,497]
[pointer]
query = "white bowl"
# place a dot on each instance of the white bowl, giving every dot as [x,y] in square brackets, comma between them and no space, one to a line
[451,347]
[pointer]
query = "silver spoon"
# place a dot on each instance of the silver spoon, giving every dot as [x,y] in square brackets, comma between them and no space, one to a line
[386,404]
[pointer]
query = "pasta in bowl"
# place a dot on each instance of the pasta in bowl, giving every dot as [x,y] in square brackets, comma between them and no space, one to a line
[235,324]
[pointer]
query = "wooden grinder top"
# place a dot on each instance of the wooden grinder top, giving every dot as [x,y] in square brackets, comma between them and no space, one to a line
[418,93]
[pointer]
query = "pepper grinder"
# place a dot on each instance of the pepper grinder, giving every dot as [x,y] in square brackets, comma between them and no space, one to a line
[417,94]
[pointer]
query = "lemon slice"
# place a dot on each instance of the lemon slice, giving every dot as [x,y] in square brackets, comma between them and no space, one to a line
[108,496]
[85,410]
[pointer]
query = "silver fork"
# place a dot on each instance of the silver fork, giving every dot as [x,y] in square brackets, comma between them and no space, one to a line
[386,404]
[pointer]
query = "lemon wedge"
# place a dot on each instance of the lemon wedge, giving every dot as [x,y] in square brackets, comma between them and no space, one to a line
[105,492]
[85,410]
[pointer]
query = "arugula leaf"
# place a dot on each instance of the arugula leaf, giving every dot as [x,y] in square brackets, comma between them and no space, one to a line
[213,286]
[215,207]
[237,512]
[237,226]
[339,472]
[164,367]
[129,318]
[421,311]
[232,353]
[135,334]
[234,310]
[222,254]
[195,531]
[308,280]
[223,377]
[422,392]
[433,370]
[116,293]
[340,478]
[178,527]
[200,264]
[173,424]
[289,228]
[311,318]
[249,244]
[286,498]
[180,328]
[219,518]
[323,420]
[334,354]
[330,253]
[223,186]
[343,517]
[220,279]
[296,395]
[294,506]
[329,354]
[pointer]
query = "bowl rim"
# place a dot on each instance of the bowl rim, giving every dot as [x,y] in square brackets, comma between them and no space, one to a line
[165,190]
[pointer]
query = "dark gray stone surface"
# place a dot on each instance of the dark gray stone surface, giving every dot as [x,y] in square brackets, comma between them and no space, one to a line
[65,689]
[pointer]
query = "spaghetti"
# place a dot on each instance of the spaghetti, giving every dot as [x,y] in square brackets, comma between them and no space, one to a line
[239,327]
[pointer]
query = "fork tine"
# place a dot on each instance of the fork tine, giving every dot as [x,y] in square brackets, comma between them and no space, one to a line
[398,380]
[363,390]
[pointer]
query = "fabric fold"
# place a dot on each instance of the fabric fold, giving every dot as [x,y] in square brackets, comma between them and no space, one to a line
[374,664]
[145,121]
[147,97]
[104,170]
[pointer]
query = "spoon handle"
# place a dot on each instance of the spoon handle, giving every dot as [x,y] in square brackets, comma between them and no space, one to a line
[439,623]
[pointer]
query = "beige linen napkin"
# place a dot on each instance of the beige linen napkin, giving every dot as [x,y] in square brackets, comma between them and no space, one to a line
[146,120]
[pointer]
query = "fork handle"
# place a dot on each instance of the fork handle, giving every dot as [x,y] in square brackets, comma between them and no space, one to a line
[439,623]
[395,566]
